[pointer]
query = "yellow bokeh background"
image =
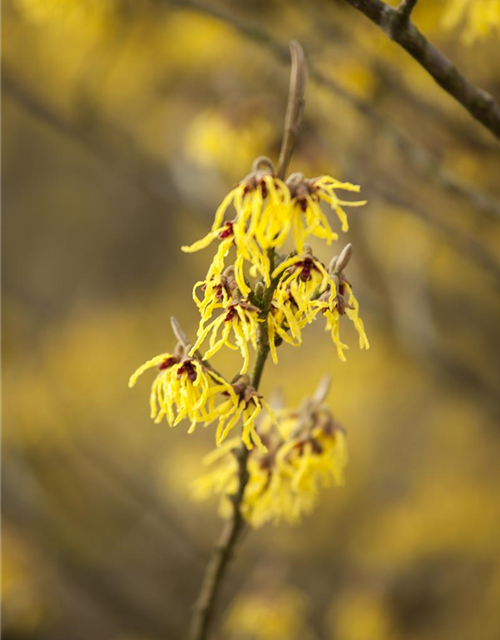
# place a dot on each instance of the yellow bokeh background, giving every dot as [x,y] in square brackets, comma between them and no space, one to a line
[124,125]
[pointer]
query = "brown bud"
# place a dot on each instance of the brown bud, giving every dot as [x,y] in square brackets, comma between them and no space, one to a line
[259,288]
[295,183]
[241,383]
[261,161]
[343,260]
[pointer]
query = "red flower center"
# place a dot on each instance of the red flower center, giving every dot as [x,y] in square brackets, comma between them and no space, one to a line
[167,363]
[189,369]
[227,232]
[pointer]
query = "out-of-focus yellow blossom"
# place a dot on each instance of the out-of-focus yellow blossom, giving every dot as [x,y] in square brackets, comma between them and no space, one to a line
[480,18]
[222,480]
[303,464]
[185,388]
[85,14]
[284,481]
[229,143]
[356,76]
[362,613]
[242,319]
[306,215]
[268,614]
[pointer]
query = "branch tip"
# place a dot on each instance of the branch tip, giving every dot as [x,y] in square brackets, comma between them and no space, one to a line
[405,9]
[322,390]
[295,106]
[179,333]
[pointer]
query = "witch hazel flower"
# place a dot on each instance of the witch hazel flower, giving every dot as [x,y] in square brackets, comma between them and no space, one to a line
[218,293]
[307,451]
[239,320]
[185,388]
[257,200]
[333,307]
[306,216]
[248,408]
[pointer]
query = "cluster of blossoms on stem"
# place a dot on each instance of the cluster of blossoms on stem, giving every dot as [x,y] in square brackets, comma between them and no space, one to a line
[307,451]
[263,287]
[269,211]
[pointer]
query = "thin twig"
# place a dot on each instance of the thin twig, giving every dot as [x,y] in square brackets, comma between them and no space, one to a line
[405,8]
[467,246]
[295,107]
[235,527]
[322,390]
[144,174]
[479,103]
[180,333]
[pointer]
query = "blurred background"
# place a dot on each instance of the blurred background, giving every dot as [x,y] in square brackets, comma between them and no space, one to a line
[125,122]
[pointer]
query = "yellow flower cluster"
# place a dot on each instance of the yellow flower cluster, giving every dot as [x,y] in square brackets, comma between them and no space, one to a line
[260,298]
[269,210]
[305,214]
[334,308]
[284,481]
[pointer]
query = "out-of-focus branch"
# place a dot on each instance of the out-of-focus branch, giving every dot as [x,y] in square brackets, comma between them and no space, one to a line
[31,505]
[117,479]
[89,136]
[396,25]
[466,245]
[391,81]
[419,158]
